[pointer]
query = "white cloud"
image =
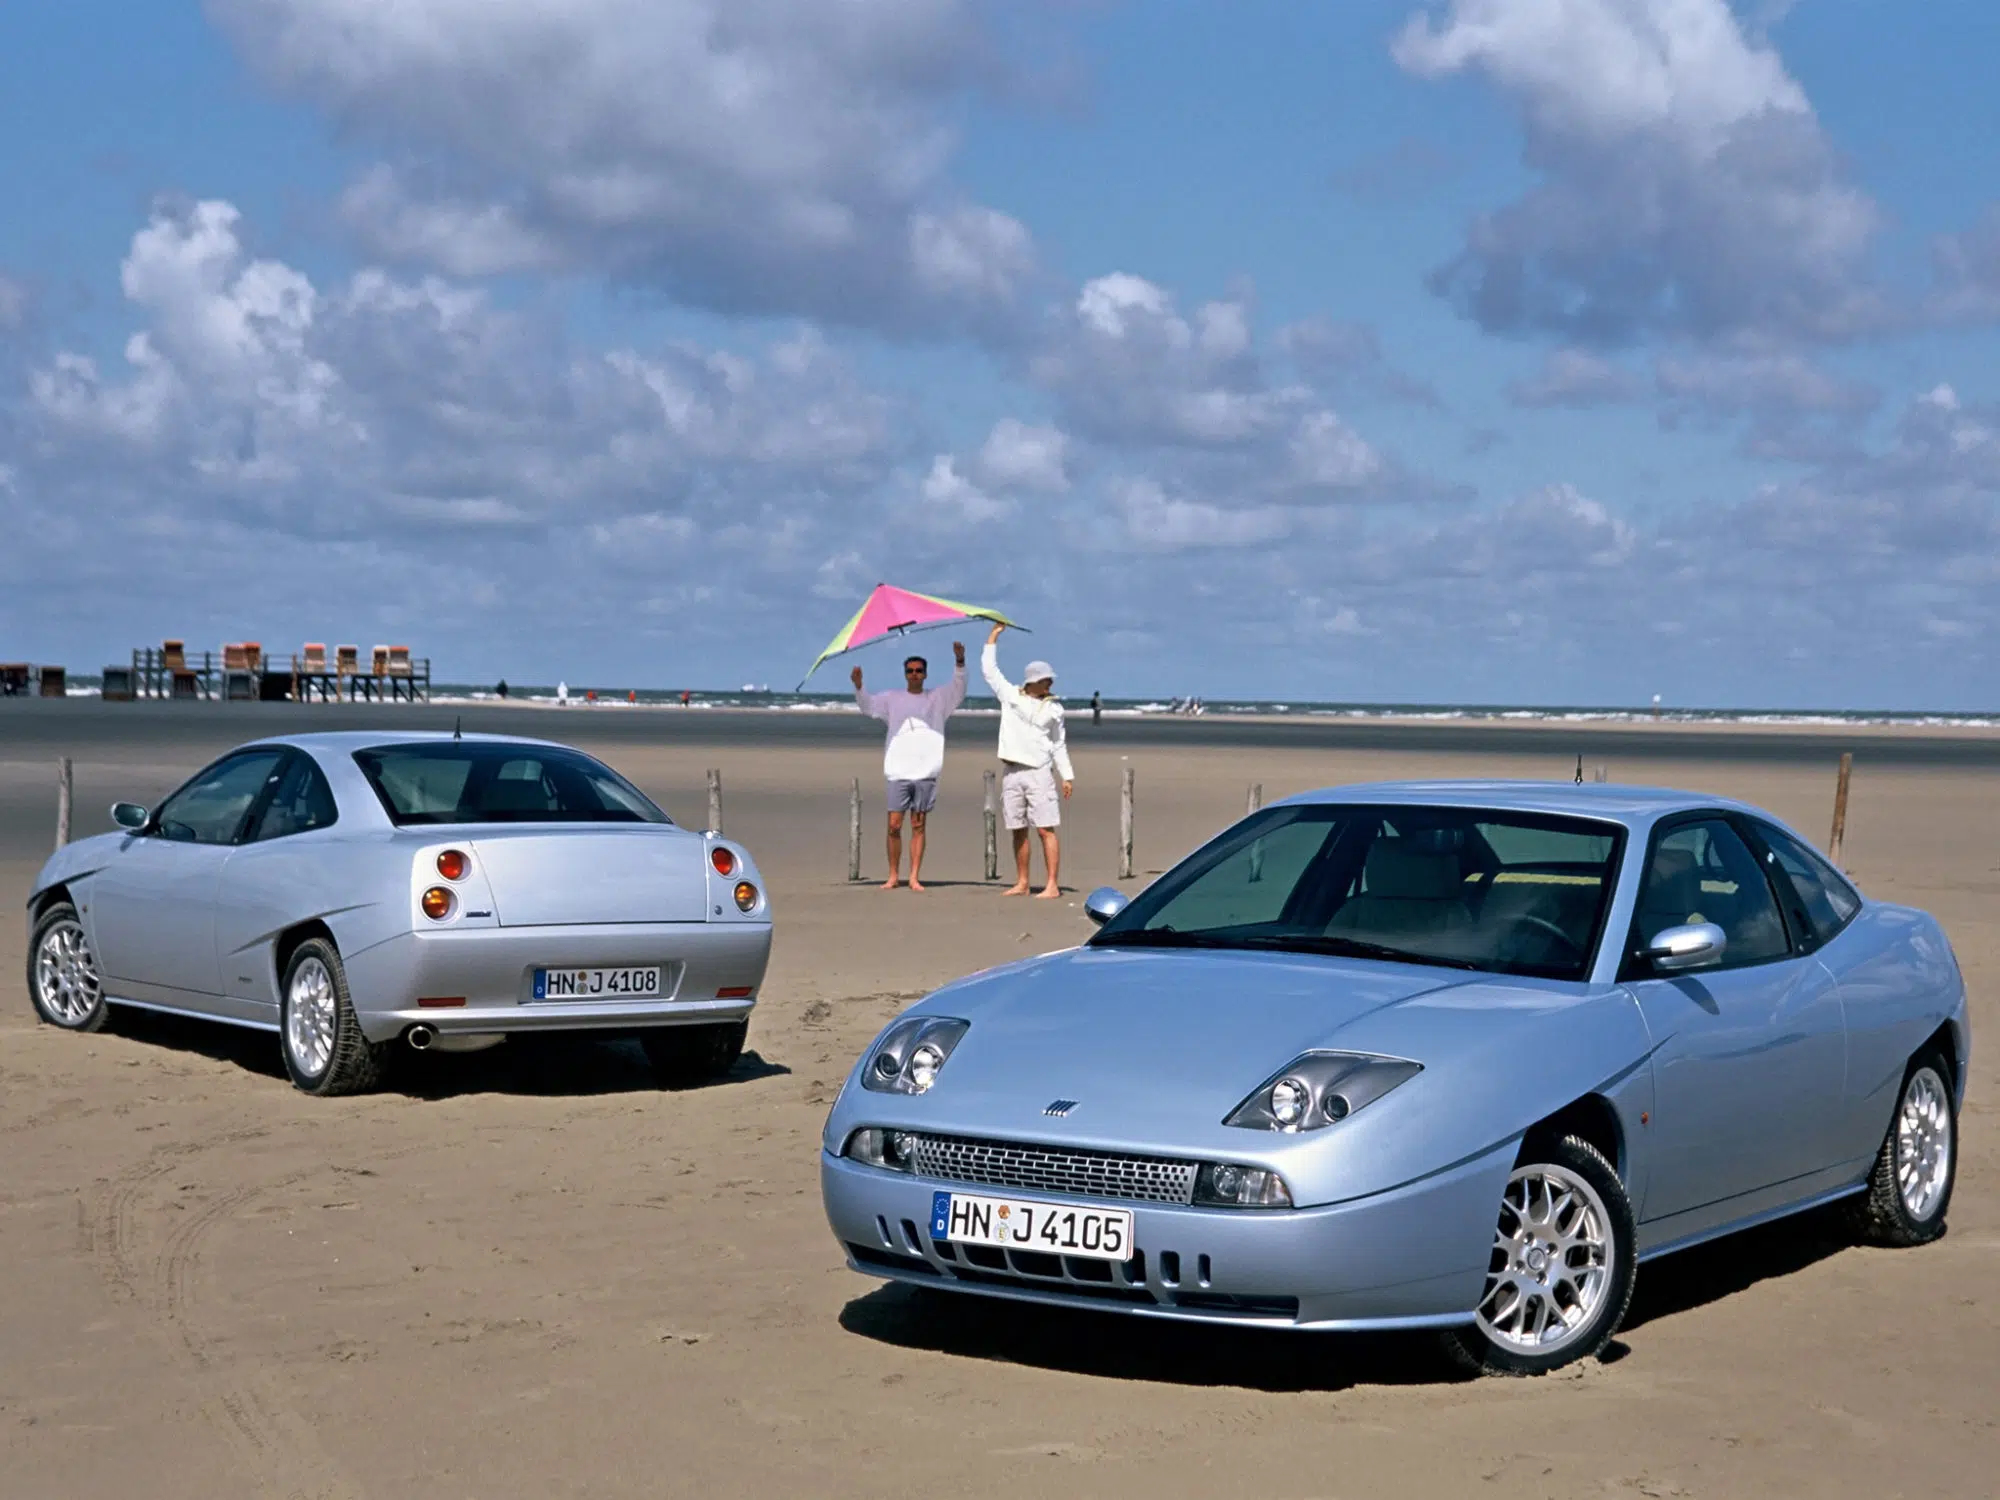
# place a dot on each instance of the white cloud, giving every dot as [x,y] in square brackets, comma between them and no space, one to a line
[1683,182]
[767,155]
[1016,455]
[954,498]
[1574,377]
[13,304]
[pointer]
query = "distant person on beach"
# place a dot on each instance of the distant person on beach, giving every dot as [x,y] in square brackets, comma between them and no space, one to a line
[1096,709]
[562,695]
[914,754]
[502,689]
[686,697]
[1033,754]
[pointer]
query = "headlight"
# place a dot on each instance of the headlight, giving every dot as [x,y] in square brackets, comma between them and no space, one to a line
[911,1053]
[893,1149]
[1225,1185]
[1320,1089]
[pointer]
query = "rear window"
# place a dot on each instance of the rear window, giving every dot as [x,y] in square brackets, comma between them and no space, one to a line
[469,781]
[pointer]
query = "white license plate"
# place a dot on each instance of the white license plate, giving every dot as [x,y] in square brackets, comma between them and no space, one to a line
[597,984]
[1021,1224]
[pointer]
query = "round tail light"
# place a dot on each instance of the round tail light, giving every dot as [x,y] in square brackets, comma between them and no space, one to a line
[452,864]
[746,895]
[437,903]
[723,859]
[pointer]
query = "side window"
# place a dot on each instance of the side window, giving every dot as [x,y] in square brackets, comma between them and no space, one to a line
[1821,901]
[1704,872]
[210,809]
[301,801]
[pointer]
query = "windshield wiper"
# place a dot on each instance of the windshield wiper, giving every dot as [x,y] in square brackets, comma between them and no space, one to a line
[1327,944]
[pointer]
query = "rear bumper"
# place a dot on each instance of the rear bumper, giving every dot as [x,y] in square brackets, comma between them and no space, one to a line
[491,971]
[1414,1257]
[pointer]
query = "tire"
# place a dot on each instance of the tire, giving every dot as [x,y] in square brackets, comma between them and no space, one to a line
[694,1054]
[63,981]
[1909,1187]
[325,1052]
[1568,1262]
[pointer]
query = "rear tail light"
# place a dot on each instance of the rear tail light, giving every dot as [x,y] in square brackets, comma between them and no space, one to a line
[723,859]
[746,895]
[452,864]
[437,903]
[733,991]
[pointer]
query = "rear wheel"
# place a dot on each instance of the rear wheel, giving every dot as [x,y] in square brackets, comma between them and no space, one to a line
[1909,1188]
[325,1052]
[1562,1267]
[694,1054]
[63,980]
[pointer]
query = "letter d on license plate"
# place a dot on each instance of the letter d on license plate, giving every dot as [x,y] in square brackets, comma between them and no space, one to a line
[1023,1224]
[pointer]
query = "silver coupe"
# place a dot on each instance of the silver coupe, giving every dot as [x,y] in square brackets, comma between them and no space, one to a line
[1443,1055]
[354,891]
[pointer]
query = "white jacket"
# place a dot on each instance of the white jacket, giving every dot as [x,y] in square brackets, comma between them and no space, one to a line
[1031,729]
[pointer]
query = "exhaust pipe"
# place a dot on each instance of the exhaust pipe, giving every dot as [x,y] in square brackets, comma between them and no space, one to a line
[419,1037]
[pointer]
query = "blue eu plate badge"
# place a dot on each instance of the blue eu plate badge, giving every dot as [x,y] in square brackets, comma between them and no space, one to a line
[940,1215]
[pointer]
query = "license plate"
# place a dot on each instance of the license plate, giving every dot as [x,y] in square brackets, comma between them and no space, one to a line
[597,984]
[1021,1224]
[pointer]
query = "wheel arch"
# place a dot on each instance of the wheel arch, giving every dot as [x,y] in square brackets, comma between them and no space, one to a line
[43,899]
[1591,1118]
[1944,1041]
[287,942]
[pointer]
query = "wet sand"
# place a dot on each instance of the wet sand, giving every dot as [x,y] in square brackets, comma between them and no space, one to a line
[547,1277]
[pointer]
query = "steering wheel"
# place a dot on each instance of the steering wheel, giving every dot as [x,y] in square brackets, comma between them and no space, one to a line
[1543,924]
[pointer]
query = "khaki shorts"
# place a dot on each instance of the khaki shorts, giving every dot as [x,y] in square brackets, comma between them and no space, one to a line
[1030,797]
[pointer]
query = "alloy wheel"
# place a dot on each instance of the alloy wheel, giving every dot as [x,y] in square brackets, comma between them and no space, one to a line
[309,1017]
[1552,1261]
[66,973]
[1923,1143]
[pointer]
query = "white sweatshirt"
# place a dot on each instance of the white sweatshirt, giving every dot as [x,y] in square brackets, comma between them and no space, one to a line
[1031,729]
[915,751]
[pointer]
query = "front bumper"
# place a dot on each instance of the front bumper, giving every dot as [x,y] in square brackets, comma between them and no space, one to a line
[1413,1257]
[491,970]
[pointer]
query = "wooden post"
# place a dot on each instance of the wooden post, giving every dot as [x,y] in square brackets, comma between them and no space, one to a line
[1255,801]
[1125,827]
[854,830]
[714,801]
[64,789]
[992,821]
[1840,808]
[1599,775]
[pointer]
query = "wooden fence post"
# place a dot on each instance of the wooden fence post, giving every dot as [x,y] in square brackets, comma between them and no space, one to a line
[991,818]
[1253,803]
[854,830]
[64,789]
[714,801]
[1840,808]
[1125,827]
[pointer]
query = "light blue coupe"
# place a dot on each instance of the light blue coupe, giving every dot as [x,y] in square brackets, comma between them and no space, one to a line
[1409,1055]
[351,890]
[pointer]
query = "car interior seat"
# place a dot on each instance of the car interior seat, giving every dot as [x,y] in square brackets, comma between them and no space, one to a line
[1405,889]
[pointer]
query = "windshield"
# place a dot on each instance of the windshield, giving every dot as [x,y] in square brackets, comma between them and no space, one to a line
[1465,888]
[472,781]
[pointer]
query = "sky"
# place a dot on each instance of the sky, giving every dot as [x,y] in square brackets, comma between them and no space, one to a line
[1483,351]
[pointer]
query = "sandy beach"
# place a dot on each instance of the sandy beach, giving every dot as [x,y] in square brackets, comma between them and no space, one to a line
[544,1276]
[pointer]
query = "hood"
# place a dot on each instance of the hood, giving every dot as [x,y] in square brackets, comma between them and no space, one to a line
[1147,1042]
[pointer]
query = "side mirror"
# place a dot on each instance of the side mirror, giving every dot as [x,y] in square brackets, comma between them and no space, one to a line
[1104,903]
[129,815]
[1691,947]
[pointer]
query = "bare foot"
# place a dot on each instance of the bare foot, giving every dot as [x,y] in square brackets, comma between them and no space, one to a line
[1053,893]
[916,884]
[891,883]
[1015,890]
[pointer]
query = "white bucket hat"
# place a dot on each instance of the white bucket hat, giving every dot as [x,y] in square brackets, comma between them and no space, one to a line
[1038,671]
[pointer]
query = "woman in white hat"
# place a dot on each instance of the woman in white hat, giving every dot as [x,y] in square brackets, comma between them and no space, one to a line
[1033,758]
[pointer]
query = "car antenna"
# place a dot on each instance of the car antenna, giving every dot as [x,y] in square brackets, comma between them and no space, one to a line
[1579,770]
[459,720]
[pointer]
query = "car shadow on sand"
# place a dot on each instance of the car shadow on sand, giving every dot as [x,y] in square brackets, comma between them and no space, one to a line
[556,1065]
[1084,1341]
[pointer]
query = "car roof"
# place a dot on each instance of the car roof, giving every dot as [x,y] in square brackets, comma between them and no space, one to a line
[337,741]
[1634,805]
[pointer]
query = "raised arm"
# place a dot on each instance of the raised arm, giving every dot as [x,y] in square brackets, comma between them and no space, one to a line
[954,693]
[989,668]
[869,703]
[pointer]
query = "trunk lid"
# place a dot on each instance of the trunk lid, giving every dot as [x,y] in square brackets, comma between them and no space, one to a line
[546,877]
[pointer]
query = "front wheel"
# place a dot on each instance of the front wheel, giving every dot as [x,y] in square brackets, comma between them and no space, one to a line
[694,1054]
[1909,1188]
[325,1052]
[1562,1267]
[63,980]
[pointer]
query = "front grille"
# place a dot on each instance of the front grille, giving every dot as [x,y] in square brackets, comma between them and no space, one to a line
[1053,1169]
